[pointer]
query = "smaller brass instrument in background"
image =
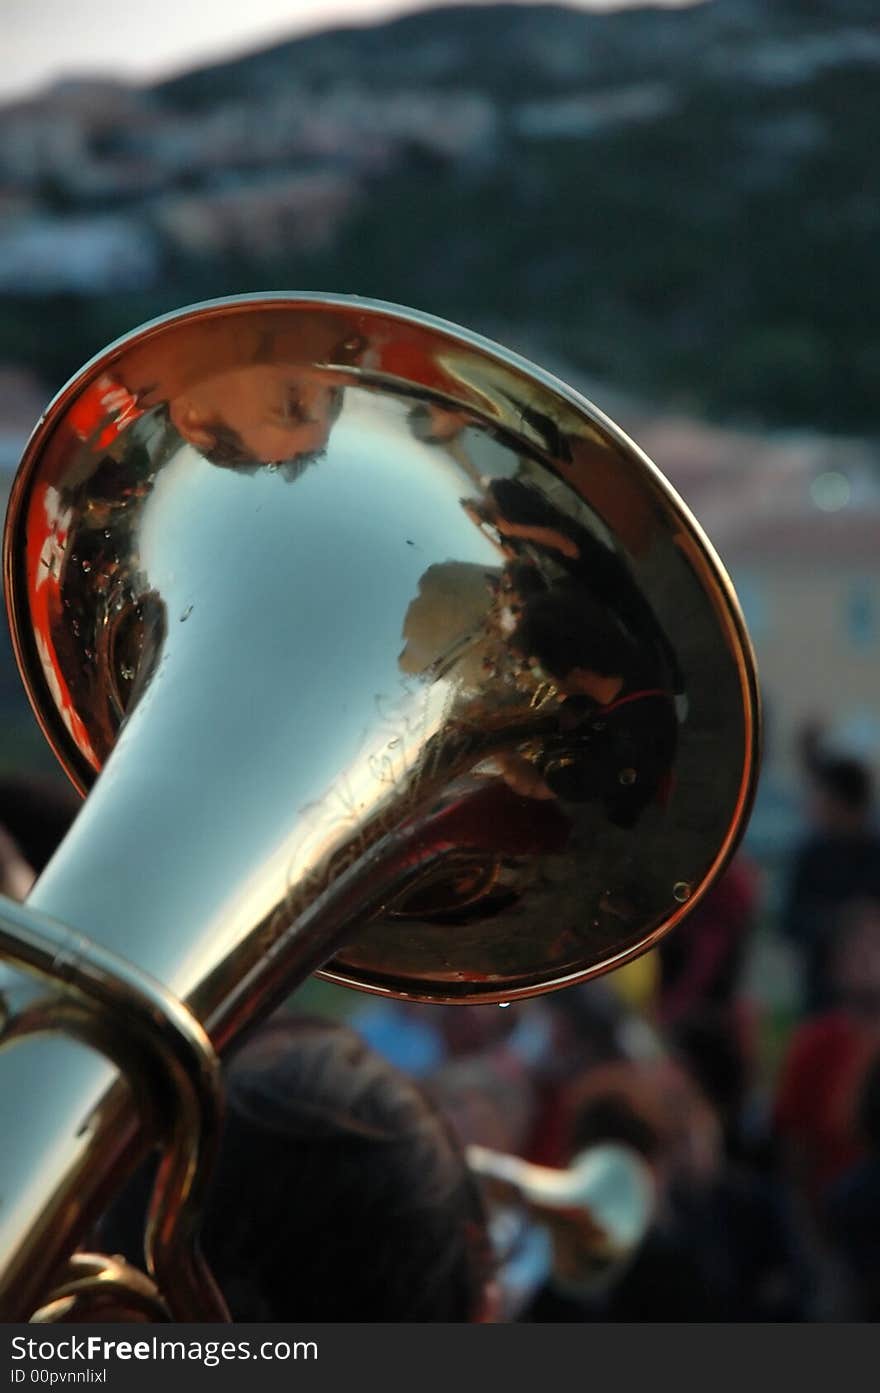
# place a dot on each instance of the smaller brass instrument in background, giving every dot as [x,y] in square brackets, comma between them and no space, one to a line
[596,1212]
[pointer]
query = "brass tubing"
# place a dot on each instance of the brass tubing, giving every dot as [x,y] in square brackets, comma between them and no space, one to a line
[106,1002]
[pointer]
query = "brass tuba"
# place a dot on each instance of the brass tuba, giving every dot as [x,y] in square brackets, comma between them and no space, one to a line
[389,657]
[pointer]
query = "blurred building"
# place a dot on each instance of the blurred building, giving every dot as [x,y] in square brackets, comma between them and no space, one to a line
[797,523]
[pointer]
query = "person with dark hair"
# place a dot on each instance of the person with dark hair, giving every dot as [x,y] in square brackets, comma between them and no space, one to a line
[585,1028]
[293,432]
[661,1282]
[340,1193]
[838,861]
[714,1057]
[721,1246]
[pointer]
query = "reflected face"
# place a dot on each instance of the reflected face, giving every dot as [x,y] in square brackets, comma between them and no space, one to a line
[261,413]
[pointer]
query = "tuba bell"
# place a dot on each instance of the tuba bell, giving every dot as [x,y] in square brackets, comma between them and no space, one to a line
[379,653]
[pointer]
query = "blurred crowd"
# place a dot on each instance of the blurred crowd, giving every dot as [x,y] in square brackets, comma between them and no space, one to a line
[764,1164]
[766,1171]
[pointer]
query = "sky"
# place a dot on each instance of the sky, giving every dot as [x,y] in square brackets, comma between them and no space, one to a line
[44,40]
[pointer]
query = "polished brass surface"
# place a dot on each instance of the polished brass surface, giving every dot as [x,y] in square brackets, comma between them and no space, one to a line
[418,588]
[386,645]
[98,1288]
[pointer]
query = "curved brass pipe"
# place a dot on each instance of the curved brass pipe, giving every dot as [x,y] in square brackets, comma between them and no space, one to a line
[94,1288]
[103,1001]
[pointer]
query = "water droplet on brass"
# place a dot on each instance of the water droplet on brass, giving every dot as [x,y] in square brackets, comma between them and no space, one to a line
[681,891]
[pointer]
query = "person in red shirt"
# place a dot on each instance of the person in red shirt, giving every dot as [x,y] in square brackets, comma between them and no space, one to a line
[827,1060]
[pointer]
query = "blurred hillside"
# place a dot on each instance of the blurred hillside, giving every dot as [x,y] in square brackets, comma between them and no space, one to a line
[681,203]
